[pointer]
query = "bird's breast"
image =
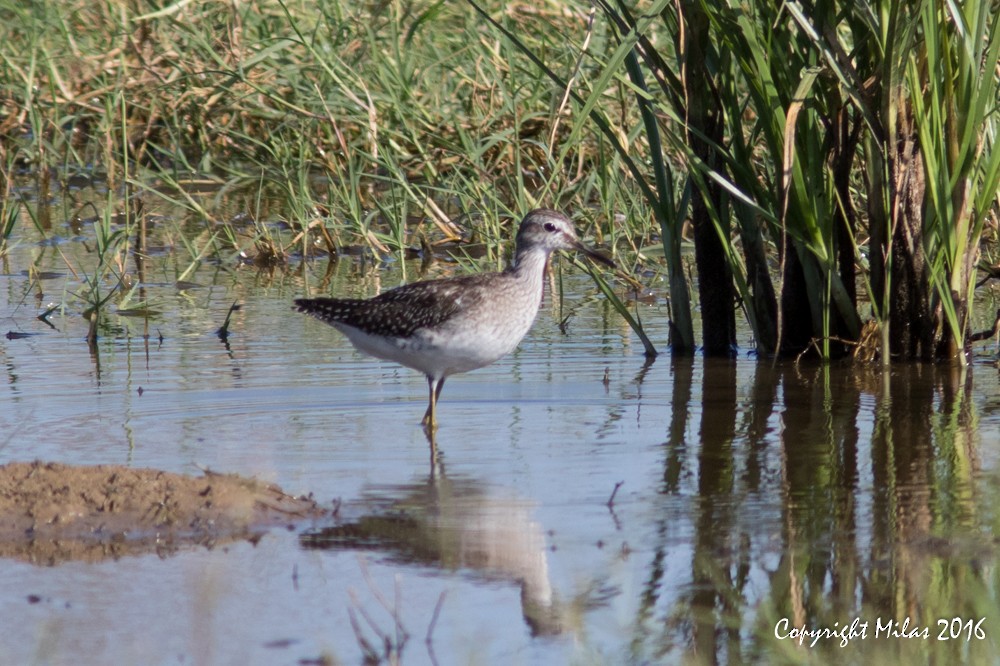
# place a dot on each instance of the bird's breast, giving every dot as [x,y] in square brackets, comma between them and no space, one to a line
[492,325]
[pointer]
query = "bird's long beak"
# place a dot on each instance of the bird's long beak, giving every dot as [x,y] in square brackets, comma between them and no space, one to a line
[593,254]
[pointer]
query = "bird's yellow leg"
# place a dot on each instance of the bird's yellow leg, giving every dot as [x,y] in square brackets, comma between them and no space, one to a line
[434,387]
[430,416]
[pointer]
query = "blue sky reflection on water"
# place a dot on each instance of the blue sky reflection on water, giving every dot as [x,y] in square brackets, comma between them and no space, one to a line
[749,493]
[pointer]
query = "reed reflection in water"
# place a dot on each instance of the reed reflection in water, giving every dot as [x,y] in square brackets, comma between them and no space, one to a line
[822,494]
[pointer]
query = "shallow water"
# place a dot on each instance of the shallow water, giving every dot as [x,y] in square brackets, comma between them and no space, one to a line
[749,496]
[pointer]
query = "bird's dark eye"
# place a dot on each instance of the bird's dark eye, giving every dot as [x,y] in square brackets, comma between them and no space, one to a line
[548,226]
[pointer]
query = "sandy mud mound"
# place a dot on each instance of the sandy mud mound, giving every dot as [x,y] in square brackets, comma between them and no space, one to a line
[51,512]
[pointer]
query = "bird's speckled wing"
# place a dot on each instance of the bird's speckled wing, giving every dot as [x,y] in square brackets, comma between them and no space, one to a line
[401,311]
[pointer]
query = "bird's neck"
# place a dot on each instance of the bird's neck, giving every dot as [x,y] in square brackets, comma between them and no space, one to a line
[528,269]
[529,265]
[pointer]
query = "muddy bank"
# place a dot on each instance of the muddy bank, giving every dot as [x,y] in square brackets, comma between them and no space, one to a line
[50,512]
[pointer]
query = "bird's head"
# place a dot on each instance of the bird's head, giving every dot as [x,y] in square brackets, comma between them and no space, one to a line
[550,230]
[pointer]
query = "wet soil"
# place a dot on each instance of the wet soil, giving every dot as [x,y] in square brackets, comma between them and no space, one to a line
[50,512]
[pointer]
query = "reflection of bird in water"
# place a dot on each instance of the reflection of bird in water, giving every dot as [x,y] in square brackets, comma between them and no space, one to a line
[443,327]
[454,524]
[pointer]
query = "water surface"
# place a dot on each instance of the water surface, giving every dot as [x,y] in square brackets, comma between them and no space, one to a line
[751,499]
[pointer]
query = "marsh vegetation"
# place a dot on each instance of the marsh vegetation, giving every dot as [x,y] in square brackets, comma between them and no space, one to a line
[809,187]
[836,163]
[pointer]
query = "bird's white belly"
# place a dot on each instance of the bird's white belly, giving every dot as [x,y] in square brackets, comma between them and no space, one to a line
[455,348]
